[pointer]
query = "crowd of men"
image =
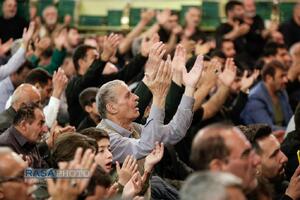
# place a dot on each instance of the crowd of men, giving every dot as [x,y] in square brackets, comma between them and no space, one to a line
[165,111]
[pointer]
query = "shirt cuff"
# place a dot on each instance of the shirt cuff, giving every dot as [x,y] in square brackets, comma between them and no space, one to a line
[187,102]
[54,100]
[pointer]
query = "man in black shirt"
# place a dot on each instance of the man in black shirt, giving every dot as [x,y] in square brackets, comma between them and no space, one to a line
[291,28]
[11,25]
[235,29]
[27,129]
[89,70]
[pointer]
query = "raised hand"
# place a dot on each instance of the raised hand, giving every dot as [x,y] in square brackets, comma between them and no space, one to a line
[61,39]
[59,82]
[27,34]
[154,157]
[229,73]
[110,44]
[178,64]
[246,82]
[129,167]
[70,188]
[161,84]
[293,190]
[157,51]
[147,15]
[163,16]
[210,72]
[56,131]
[177,30]
[191,79]
[133,187]
[5,47]
[147,44]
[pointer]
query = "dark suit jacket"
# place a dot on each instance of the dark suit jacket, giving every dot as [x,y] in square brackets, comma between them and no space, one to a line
[6,119]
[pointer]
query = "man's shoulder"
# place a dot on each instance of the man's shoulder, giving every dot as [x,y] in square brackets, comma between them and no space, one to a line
[5,137]
[6,120]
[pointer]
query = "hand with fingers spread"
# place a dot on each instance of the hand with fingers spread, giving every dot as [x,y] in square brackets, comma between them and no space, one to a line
[178,64]
[191,78]
[147,15]
[157,51]
[161,84]
[210,73]
[129,167]
[147,45]
[246,82]
[27,34]
[293,190]
[228,75]
[59,81]
[154,157]
[70,188]
[163,16]
[110,45]
[133,187]
[5,47]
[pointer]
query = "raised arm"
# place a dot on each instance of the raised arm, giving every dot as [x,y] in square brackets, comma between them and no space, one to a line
[213,105]
[19,57]
[125,44]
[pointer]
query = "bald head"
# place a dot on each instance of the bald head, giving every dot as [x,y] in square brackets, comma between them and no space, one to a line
[295,51]
[25,94]
[10,162]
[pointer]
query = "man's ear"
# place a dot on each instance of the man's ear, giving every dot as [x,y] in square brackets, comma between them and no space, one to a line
[88,108]
[22,125]
[111,108]
[216,165]
[37,85]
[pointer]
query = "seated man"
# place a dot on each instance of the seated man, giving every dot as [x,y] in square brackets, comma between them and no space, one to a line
[117,106]
[225,148]
[24,94]
[273,161]
[268,101]
[27,129]
[212,185]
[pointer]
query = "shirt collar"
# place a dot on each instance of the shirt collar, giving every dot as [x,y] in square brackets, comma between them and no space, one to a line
[122,131]
[22,141]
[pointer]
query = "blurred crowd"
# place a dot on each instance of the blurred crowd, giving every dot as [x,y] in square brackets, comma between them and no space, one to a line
[165,111]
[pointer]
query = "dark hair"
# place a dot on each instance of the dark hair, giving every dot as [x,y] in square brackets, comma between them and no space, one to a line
[99,178]
[39,76]
[26,65]
[206,150]
[80,53]
[88,96]
[271,48]
[26,112]
[66,145]
[95,133]
[221,41]
[218,53]
[270,69]
[230,6]
[255,132]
